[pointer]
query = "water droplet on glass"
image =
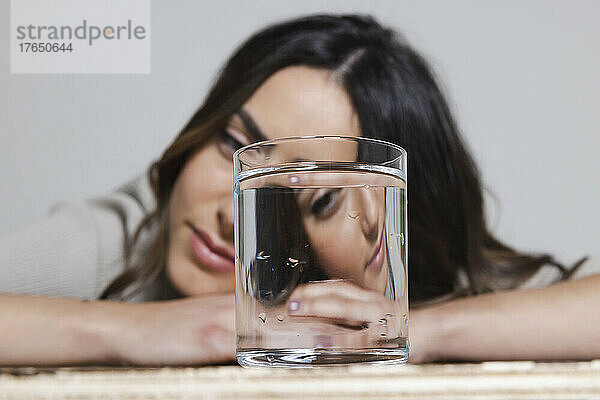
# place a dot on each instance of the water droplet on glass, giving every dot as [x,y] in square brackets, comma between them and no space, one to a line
[280,318]
[383,321]
[293,263]
[383,334]
[262,317]
[262,256]
[353,214]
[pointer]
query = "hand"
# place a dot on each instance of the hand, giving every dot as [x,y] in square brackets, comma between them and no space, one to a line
[194,330]
[366,316]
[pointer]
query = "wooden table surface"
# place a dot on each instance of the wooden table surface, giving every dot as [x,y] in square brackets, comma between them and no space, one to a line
[489,380]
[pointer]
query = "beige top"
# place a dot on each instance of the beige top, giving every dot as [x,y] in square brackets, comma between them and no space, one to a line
[77,249]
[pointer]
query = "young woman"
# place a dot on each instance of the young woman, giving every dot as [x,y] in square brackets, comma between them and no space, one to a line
[321,74]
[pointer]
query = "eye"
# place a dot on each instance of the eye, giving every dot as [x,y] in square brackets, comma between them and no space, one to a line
[324,205]
[228,143]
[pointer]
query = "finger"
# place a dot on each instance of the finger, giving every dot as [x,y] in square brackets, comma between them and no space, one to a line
[338,308]
[339,287]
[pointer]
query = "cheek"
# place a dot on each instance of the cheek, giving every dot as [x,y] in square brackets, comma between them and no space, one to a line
[186,192]
[339,246]
[201,183]
[194,199]
[189,187]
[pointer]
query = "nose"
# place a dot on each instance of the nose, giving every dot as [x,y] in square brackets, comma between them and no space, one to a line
[225,212]
[225,215]
[225,218]
[369,213]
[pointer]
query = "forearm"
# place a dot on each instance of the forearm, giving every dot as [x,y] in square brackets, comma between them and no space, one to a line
[58,331]
[561,321]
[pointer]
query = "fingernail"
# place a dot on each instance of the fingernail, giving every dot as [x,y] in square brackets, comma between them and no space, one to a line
[293,305]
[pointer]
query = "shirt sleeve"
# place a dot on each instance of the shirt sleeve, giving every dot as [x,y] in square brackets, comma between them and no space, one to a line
[78,248]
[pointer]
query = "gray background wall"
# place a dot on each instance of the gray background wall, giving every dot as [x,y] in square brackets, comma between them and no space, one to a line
[522,78]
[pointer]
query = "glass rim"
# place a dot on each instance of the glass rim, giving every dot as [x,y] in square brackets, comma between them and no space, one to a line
[338,137]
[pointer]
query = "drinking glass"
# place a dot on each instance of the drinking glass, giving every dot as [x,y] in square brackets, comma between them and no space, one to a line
[320,252]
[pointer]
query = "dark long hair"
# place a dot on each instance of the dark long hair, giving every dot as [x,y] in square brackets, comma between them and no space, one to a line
[397,99]
[280,235]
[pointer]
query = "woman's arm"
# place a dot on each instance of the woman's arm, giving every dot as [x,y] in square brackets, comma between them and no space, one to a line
[561,321]
[38,330]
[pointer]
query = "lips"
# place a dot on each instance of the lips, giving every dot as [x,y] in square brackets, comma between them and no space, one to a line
[376,261]
[208,253]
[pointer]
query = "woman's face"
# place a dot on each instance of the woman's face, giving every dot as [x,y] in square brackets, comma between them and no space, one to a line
[295,101]
[345,227]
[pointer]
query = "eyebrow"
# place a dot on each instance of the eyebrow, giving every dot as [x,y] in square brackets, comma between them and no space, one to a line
[250,125]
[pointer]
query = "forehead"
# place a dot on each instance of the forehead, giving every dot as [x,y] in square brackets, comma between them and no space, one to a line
[302,101]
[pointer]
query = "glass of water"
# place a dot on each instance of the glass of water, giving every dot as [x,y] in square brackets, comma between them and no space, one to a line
[321,252]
